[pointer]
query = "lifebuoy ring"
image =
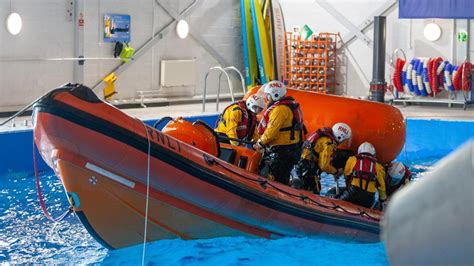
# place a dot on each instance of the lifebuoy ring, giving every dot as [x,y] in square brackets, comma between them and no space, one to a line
[440,73]
[410,84]
[462,77]
[456,76]
[433,74]
[466,76]
[448,77]
[397,77]
[404,76]
[419,78]
[426,80]
[414,78]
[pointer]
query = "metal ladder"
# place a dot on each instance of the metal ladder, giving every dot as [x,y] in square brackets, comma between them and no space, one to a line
[223,71]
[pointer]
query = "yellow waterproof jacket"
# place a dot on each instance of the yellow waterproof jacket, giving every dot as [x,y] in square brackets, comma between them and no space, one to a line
[380,176]
[280,117]
[324,148]
[232,117]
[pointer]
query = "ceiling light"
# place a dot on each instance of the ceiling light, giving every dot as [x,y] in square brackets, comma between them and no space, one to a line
[14,23]
[432,32]
[182,29]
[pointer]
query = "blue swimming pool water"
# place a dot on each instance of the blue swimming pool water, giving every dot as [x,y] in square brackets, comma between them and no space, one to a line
[26,236]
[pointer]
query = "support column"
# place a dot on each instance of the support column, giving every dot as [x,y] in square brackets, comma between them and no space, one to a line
[79,24]
[378,84]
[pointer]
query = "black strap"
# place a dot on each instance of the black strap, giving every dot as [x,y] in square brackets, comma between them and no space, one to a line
[359,174]
[293,128]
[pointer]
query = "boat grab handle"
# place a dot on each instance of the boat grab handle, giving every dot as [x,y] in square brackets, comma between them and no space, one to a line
[165,118]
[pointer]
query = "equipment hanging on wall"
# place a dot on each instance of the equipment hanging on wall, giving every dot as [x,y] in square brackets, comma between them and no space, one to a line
[127,53]
[109,89]
[118,49]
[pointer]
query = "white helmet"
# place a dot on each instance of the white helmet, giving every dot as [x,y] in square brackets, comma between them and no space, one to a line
[366,147]
[341,131]
[396,171]
[254,101]
[275,89]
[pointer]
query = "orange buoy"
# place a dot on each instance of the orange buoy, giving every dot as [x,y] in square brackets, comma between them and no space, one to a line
[380,124]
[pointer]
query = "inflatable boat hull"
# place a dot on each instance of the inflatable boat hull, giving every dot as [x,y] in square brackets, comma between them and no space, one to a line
[101,156]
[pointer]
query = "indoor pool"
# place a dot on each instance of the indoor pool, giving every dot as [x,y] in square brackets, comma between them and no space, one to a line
[26,236]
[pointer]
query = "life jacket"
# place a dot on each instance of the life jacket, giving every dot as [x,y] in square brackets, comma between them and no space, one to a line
[246,126]
[296,124]
[365,169]
[313,138]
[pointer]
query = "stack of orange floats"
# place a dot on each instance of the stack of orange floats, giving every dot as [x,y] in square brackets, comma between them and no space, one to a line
[197,188]
[430,76]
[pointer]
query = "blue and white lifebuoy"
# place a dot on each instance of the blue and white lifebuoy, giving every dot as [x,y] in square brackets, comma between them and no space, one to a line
[426,79]
[419,78]
[410,76]
[416,89]
[440,74]
[448,71]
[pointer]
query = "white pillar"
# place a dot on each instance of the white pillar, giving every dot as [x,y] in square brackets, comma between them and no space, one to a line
[79,24]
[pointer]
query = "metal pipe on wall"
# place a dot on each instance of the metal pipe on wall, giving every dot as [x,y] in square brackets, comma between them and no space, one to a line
[378,84]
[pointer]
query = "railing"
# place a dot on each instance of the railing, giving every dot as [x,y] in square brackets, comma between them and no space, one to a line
[223,71]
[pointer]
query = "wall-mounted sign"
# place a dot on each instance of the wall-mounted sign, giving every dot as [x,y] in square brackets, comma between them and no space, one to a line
[116,28]
[80,21]
[462,36]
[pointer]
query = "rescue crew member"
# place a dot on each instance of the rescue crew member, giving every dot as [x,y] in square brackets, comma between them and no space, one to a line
[364,175]
[239,120]
[398,175]
[281,133]
[317,156]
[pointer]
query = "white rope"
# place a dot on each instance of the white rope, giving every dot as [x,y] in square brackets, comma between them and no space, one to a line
[147,195]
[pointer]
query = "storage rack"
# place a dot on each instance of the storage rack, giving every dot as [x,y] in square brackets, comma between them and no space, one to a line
[311,64]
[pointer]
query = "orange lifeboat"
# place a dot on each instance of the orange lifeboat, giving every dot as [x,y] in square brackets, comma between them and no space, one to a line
[197,189]
[380,124]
